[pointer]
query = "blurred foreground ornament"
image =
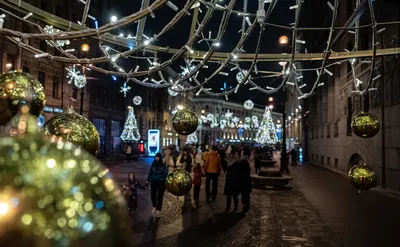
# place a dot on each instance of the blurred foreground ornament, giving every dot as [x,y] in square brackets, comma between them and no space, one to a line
[17,89]
[185,122]
[54,194]
[74,128]
[365,125]
[362,177]
[137,100]
[248,105]
[179,182]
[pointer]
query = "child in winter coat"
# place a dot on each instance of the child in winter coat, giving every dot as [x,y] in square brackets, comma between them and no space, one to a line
[198,174]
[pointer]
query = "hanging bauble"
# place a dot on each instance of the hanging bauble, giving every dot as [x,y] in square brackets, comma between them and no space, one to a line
[362,177]
[80,81]
[185,122]
[179,182]
[54,194]
[137,100]
[248,104]
[17,89]
[241,75]
[74,128]
[365,125]
[172,92]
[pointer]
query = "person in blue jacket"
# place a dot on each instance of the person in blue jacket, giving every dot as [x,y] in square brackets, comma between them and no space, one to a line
[157,176]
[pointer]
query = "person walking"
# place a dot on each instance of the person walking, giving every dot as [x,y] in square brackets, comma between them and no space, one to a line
[257,161]
[212,168]
[167,156]
[157,176]
[186,161]
[293,155]
[197,175]
[224,164]
[128,153]
[175,155]
[231,189]
[244,181]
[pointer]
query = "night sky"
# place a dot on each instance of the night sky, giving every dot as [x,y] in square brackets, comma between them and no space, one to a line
[179,35]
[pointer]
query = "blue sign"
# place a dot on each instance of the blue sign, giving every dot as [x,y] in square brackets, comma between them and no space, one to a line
[153,142]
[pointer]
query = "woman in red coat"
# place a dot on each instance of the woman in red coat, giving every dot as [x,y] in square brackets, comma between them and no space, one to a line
[198,174]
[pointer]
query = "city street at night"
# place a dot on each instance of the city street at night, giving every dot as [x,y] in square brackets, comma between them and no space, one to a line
[320,208]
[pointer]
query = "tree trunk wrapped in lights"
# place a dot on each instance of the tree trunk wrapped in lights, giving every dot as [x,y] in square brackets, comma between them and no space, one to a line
[130,131]
[266,133]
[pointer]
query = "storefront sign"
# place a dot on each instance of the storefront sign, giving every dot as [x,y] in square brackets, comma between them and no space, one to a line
[154,141]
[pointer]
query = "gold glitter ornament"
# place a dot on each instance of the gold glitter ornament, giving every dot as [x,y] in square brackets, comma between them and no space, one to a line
[17,89]
[54,194]
[185,122]
[365,125]
[74,128]
[178,182]
[362,177]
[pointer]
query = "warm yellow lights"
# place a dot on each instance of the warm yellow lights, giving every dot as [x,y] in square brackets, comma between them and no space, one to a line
[283,40]
[4,208]
[179,107]
[85,47]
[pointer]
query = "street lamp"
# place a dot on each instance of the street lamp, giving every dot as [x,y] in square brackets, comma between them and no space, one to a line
[283,41]
[84,48]
[270,99]
[271,107]
[113,18]
[179,107]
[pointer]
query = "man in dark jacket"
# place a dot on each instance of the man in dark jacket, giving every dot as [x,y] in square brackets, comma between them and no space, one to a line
[186,161]
[244,181]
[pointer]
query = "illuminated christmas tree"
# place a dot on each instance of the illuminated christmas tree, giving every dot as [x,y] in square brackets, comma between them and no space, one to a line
[266,133]
[131,130]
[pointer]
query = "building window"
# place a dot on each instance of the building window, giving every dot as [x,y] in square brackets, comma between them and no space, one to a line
[336,163]
[43,46]
[349,115]
[322,160]
[25,69]
[328,131]
[328,161]
[42,78]
[56,87]
[336,129]
[75,92]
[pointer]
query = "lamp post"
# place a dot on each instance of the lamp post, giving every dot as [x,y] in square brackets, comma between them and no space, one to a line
[283,41]
[84,48]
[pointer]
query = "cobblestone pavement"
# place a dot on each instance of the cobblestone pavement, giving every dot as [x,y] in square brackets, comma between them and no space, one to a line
[320,209]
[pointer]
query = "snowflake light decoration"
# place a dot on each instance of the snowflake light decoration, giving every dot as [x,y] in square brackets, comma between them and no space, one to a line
[235,119]
[228,114]
[186,70]
[51,31]
[172,92]
[240,75]
[125,89]
[254,119]
[248,105]
[137,100]
[192,138]
[210,117]
[74,76]
[247,119]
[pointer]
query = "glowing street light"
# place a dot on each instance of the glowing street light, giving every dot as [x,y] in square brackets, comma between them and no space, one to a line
[203,111]
[270,99]
[113,18]
[271,107]
[283,40]
[180,107]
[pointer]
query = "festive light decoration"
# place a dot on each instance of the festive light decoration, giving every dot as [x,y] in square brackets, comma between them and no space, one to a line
[125,89]
[185,122]
[74,128]
[172,92]
[17,89]
[56,193]
[85,47]
[131,130]
[187,69]
[362,177]
[192,138]
[210,117]
[179,182]
[365,125]
[74,76]
[248,104]
[266,133]
[137,100]
[241,75]
[51,31]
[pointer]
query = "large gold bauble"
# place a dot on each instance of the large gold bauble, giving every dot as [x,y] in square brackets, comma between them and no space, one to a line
[179,182]
[365,125]
[17,89]
[362,177]
[74,128]
[185,122]
[54,194]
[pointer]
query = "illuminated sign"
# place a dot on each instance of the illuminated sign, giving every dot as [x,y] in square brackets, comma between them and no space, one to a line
[51,109]
[153,142]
